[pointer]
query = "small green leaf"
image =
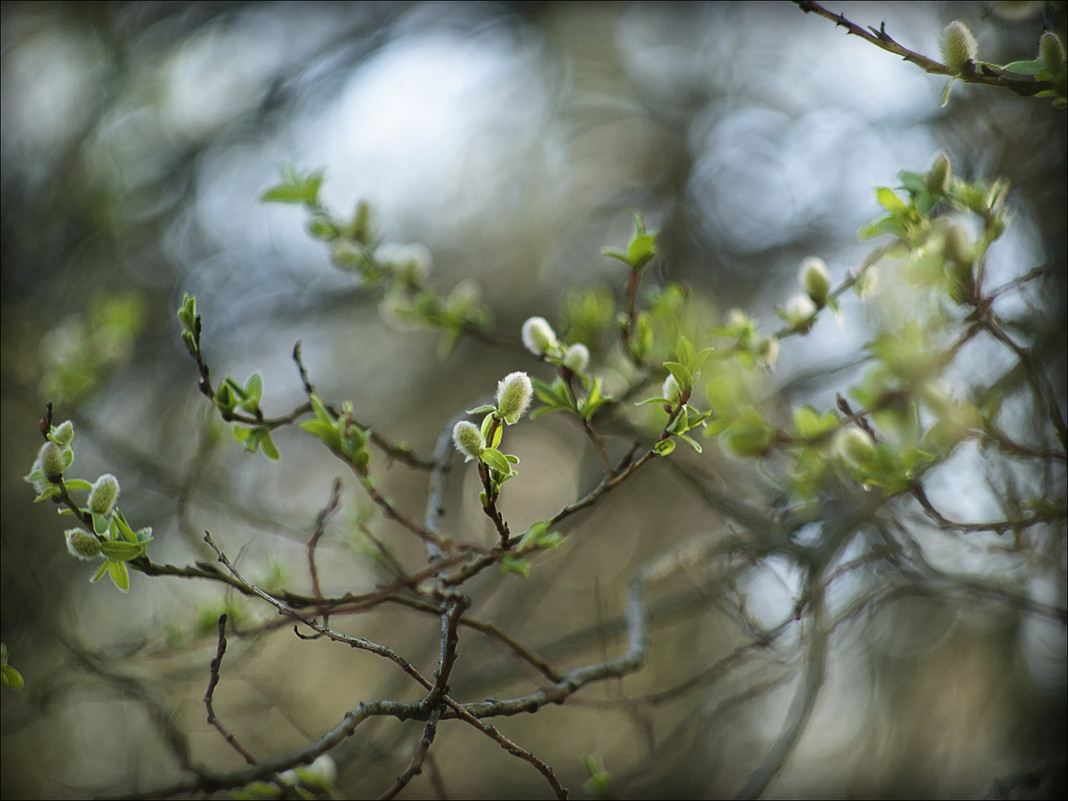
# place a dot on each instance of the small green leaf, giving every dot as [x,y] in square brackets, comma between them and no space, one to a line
[690,441]
[100,573]
[101,523]
[295,188]
[1035,67]
[120,576]
[497,460]
[11,678]
[513,564]
[122,551]
[78,484]
[48,492]
[268,446]
[664,447]
[889,200]
[682,375]
[120,528]
[482,409]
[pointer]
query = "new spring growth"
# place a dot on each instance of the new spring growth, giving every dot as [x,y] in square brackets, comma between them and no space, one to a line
[939,177]
[411,263]
[82,544]
[63,434]
[577,358]
[1051,52]
[814,279]
[798,309]
[468,439]
[514,393]
[52,461]
[671,391]
[103,495]
[958,46]
[854,446]
[539,337]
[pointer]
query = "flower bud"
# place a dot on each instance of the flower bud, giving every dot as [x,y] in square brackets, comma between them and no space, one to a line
[1051,51]
[577,358]
[514,393]
[766,351]
[855,446]
[64,434]
[939,176]
[103,495]
[538,336]
[82,544]
[671,391]
[958,46]
[468,439]
[814,280]
[52,462]
[799,308]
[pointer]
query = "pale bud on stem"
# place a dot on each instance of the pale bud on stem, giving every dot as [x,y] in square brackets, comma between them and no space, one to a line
[958,46]
[468,439]
[103,495]
[814,279]
[577,358]
[82,544]
[514,393]
[539,337]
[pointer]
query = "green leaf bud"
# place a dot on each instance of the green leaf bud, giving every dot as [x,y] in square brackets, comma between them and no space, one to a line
[814,279]
[468,439]
[539,337]
[1051,52]
[958,46]
[63,434]
[82,544]
[52,461]
[103,495]
[940,176]
[577,358]
[514,393]
[411,263]
[855,446]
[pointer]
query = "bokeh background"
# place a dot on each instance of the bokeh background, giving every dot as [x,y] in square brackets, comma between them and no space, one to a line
[513,140]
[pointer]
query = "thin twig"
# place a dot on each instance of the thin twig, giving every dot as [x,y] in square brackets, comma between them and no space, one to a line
[213,681]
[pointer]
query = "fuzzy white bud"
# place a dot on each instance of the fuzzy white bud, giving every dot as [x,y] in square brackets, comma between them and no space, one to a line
[51,460]
[103,495]
[539,337]
[82,544]
[671,391]
[799,308]
[814,279]
[958,45]
[577,358]
[514,393]
[766,351]
[468,439]
[64,434]
[1051,51]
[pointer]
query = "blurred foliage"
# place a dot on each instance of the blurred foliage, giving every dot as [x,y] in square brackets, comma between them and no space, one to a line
[515,139]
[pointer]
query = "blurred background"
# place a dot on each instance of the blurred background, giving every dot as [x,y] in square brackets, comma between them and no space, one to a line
[513,140]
